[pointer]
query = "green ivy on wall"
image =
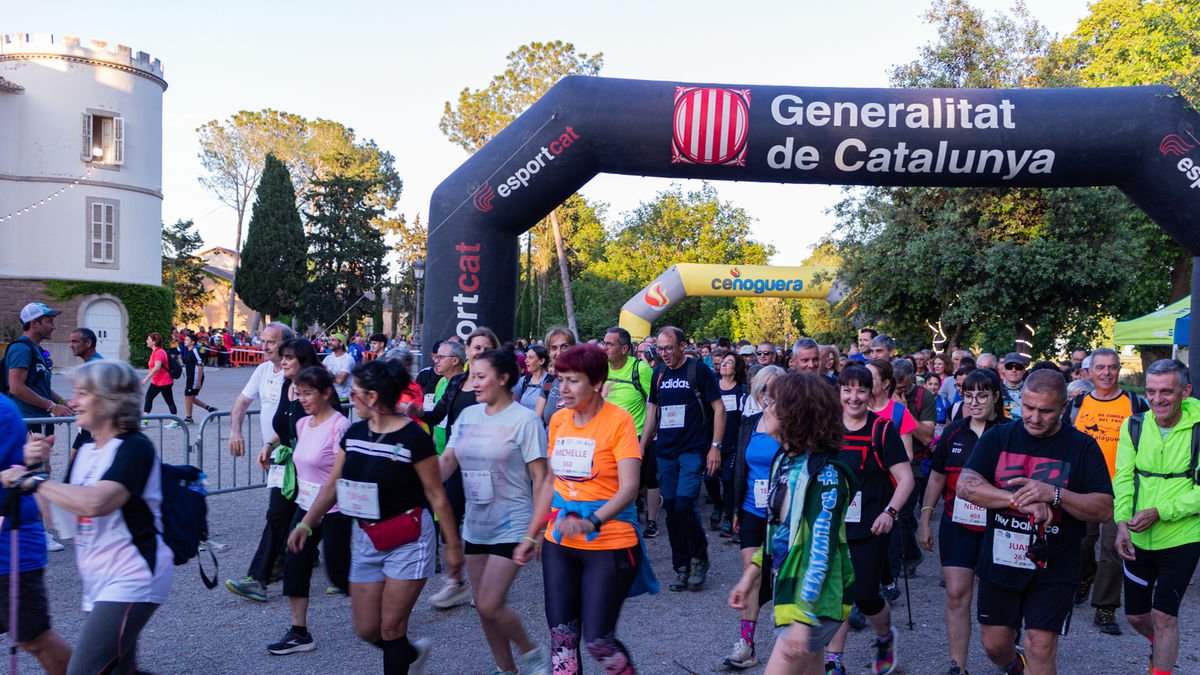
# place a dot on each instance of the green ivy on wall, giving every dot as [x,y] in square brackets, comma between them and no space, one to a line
[150,309]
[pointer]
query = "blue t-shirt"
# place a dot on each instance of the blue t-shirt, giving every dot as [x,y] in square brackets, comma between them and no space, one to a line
[32,539]
[682,426]
[21,354]
[760,452]
[356,350]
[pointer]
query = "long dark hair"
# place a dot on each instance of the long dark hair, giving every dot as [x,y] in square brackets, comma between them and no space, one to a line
[302,350]
[386,377]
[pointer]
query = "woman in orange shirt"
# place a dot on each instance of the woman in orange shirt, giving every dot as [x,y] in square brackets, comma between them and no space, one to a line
[593,557]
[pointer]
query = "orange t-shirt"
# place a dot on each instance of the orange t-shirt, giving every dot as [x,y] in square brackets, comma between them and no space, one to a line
[584,461]
[1102,421]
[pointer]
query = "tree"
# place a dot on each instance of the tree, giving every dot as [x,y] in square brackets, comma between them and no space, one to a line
[182,272]
[273,267]
[481,114]
[825,323]
[346,253]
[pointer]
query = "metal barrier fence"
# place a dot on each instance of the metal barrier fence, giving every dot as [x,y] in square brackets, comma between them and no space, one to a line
[174,442]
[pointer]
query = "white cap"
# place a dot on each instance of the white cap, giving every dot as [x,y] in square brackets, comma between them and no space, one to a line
[36,310]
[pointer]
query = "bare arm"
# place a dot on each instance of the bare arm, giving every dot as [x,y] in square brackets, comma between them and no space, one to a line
[88,501]
[448,462]
[649,427]
[1087,506]
[973,488]
[907,440]
[237,444]
[924,432]
[16,385]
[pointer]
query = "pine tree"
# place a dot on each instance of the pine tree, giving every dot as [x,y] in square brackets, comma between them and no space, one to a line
[183,272]
[273,268]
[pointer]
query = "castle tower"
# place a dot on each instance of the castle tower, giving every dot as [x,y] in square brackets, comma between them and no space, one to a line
[80,181]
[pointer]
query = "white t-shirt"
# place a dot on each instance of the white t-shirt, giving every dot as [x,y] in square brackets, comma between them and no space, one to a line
[265,386]
[492,451]
[121,556]
[336,365]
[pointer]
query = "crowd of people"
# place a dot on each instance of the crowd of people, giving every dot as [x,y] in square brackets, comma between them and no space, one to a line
[827,470]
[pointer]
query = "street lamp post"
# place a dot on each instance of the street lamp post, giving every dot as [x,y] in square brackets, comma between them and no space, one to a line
[419,273]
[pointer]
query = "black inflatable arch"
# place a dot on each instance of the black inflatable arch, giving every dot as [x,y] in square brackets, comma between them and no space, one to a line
[1143,140]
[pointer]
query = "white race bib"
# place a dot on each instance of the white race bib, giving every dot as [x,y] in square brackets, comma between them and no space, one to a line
[762,487]
[478,486]
[966,513]
[306,493]
[730,401]
[275,476]
[672,416]
[442,424]
[85,531]
[572,457]
[1008,548]
[429,402]
[358,500]
[854,511]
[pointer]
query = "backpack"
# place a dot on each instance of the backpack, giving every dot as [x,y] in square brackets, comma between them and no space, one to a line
[660,371]
[635,380]
[174,367]
[1135,435]
[185,515]
[37,355]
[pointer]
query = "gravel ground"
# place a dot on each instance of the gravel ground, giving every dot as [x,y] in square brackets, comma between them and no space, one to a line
[202,631]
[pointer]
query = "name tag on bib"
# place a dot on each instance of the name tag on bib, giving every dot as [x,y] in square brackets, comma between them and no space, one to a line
[306,493]
[762,488]
[672,416]
[478,486]
[1008,548]
[275,476]
[428,402]
[572,457]
[966,513]
[730,401]
[854,511]
[85,531]
[357,499]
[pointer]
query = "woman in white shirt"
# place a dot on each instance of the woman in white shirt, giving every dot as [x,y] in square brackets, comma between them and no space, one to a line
[114,493]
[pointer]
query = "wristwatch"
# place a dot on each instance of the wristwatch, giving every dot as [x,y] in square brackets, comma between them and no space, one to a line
[892,512]
[716,444]
[591,518]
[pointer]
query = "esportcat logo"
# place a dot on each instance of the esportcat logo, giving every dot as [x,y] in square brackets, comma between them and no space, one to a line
[486,194]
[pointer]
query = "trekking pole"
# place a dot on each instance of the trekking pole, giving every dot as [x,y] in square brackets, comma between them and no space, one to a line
[904,569]
[14,588]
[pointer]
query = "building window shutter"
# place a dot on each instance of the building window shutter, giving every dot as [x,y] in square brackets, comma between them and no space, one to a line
[86,152]
[119,140]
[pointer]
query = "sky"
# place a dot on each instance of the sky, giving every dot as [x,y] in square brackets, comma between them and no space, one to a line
[386,69]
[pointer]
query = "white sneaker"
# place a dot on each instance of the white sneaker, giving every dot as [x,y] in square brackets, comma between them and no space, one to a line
[52,544]
[422,647]
[536,662]
[172,424]
[742,656]
[451,594]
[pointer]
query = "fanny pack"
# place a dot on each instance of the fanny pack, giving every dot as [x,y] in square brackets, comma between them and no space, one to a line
[394,532]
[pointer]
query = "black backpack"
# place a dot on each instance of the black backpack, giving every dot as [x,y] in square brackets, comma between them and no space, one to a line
[174,367]
[37,355]
[185,515]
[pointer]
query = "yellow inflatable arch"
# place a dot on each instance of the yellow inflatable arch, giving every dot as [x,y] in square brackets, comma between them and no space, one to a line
[690,279]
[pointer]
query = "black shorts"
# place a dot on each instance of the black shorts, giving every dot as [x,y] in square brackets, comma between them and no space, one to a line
[1158,579]
[649,470]
[502,550]
[1039,607]
[752,529]
[190,391]
[33,610]
[958,546]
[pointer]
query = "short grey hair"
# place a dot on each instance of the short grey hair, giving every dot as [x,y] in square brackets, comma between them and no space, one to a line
[118,386]
[762,380]
[285,331]
[1079,388]
[902,369]
[402,355]
[1170,366]
[1105,351]
[805,343]
[457,350]
[883,340]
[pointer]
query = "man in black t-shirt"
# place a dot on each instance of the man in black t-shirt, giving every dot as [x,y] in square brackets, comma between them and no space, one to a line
[1041,482]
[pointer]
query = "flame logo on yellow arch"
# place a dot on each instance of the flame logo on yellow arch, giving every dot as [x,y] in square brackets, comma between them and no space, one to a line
[655,297]
[735,273]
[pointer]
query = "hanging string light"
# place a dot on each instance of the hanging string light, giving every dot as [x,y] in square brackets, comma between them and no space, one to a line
[43,202]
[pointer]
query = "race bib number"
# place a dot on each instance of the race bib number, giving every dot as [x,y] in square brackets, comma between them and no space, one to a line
[730,401]
[1008,548]
[357,499]
[306,493]
[428,402]
[85,531]
[572,457]
[275,476]
[478,486]
[854,511]
[966,513]
[762,487]
[672,416]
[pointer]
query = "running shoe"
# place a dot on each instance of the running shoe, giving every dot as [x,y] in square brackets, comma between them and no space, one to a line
[536,662]
[858,620]
[956,670]
[145,423]
[742,656]
[211,408]
[248,587]
[681,580]
[890,593]
[188,420]
[52,544]
[293,643]
[726,528]
[1106,619]
[422,647]
[835,668]
[912,564]
[698,576]
[172,424]
[452,594]
[1081,593]
[885,653]
[276,572]
[334,590]
[651,530]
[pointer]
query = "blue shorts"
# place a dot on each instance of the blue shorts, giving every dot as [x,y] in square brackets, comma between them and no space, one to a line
[958,546]
[682,476]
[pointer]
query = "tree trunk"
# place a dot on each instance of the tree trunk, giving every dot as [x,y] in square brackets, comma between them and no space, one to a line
[237,250]
[568,296]
[1181,277]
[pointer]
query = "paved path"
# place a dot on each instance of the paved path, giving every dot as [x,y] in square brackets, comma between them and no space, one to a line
[201,631]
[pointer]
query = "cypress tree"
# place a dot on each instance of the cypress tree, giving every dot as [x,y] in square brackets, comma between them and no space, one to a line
[273,267]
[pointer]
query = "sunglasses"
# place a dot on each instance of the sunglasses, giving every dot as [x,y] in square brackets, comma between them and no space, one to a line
[1013,366]
[764,353]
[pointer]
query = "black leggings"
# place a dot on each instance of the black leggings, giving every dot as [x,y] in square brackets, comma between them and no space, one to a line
[720,487]
[587,588]
[298,567]
[274,536]
[870,560]
[154,390]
